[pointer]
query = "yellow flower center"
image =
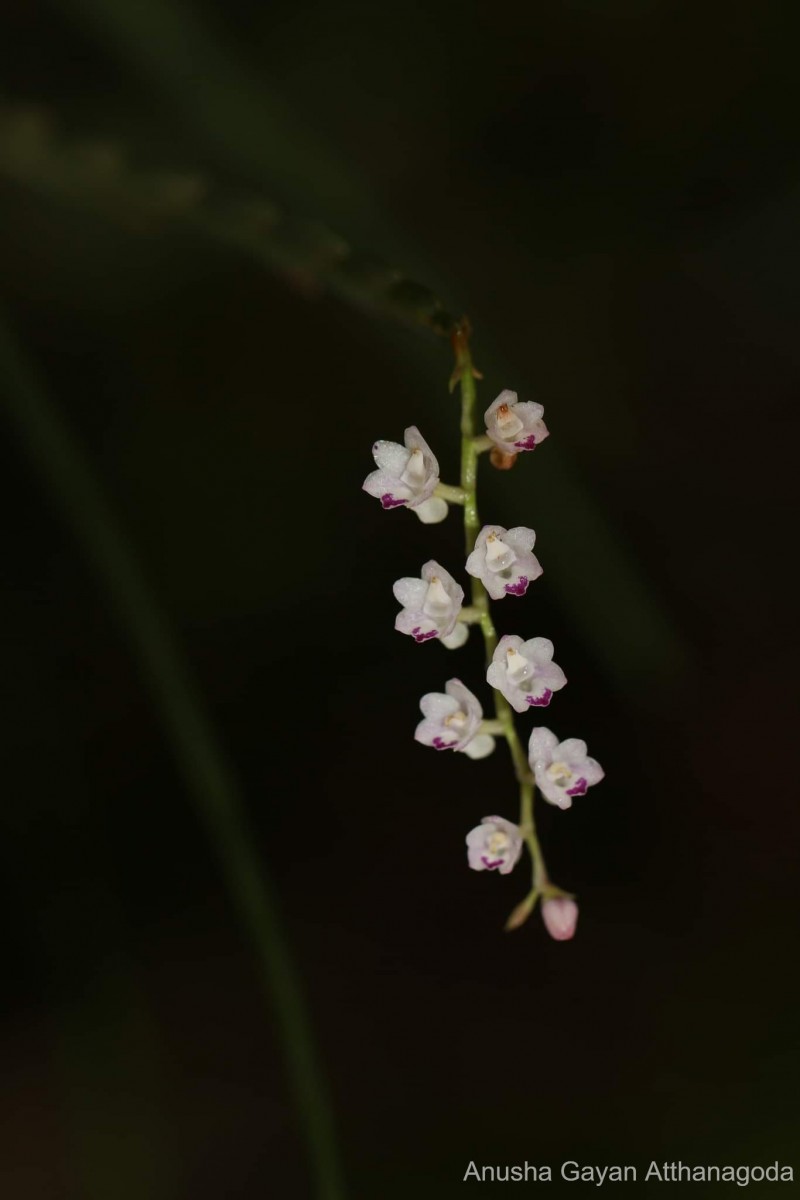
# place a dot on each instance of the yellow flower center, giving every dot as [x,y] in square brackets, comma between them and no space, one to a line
[456,720]
[559,774]
[498,843]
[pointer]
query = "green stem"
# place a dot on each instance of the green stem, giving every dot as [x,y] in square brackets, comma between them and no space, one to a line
[471,447]
[453,495]
[67,476]
[528,828]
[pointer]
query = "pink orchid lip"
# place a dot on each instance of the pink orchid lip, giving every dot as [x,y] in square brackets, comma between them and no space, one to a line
[579,789]
[418,636]
[490,866]
[518,588]
[390,501]
[527,443]
[540,701]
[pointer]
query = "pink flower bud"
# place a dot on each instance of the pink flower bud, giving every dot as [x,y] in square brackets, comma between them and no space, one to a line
[560,917]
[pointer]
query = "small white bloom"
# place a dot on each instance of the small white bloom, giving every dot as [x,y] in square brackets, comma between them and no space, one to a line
[525,672]
[431,604]
[494,845]
[451,721]
[515,426]
[503,561]
[561,769]
[407,477]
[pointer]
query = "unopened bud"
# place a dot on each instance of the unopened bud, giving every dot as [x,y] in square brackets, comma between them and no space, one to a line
[502,461]
[560,917]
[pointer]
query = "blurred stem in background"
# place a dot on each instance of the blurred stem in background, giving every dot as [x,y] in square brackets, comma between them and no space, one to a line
[111,1062]
[253,136]
[68,478]
[620,616]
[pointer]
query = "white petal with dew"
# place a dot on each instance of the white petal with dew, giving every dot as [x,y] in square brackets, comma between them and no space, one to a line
[390,457]
[410,592]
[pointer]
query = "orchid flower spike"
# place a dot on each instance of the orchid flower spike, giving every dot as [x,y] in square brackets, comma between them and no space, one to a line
[561,769]
[515,426]
[407,476]
[451,721]
[525,672]
[560,916]
[494,845]
[503,560]
[431,607]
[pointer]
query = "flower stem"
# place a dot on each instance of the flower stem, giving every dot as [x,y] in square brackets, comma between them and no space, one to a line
[471,447]
[453,495]
[529,833]
[470,615]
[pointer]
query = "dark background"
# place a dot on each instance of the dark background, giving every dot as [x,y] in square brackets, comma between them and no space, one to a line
[611,190]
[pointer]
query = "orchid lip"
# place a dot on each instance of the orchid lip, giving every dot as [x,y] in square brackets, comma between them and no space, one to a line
[579,789]
[540,701]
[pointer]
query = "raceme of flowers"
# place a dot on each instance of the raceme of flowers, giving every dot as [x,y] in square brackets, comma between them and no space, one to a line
[521,670]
